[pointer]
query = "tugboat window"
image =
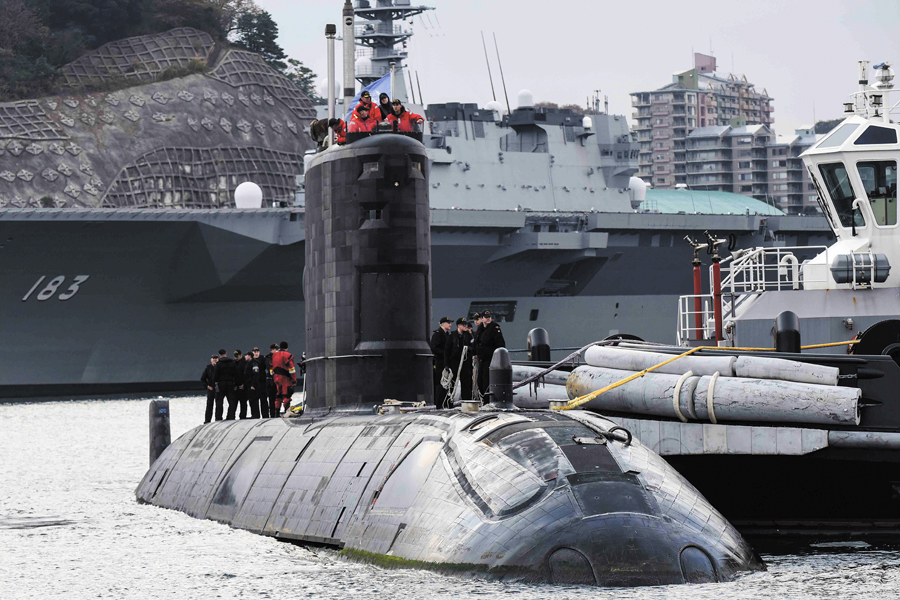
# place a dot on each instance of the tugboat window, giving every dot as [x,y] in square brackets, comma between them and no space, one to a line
[879,179]
[837,184]
[876,135]
[839,136]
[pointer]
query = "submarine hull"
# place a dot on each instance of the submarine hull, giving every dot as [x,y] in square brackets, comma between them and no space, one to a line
[533,496]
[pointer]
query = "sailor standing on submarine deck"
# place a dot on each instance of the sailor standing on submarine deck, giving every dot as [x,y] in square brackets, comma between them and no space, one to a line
[439,339]
[285,374]
[208,379]
[491,338]
[459,341]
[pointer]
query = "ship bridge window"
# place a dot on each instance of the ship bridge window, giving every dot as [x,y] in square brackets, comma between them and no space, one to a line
[876,135]
[879,179]
[837,184]
[839,136]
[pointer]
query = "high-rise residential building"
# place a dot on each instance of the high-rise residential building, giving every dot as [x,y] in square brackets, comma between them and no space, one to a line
[752,161]
[789,183]
[695,98]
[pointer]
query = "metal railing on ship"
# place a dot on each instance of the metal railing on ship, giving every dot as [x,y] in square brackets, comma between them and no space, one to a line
[746,274]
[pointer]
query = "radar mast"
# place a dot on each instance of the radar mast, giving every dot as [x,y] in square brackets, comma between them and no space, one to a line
[380,33]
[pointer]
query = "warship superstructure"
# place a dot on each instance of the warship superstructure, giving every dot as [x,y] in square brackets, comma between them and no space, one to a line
[123,250]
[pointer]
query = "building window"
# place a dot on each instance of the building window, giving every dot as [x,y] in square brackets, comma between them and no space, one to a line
[745,176]
[660,180]
[779,163]
[780,187]
[746,188]
[779,175]
[745,153]
[744,164]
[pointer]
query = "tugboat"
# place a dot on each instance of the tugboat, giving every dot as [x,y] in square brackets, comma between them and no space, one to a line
[785,439]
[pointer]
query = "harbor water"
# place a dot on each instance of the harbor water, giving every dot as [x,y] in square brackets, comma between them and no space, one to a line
[70,528]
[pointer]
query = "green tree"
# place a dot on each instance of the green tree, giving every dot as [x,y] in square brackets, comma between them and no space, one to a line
[304,78]
[99,21]
[257,32]
[826,126]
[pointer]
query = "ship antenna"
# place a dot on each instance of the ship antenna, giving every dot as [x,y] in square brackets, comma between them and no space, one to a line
[484,45]
[508,110]
[419,85]
[412,90]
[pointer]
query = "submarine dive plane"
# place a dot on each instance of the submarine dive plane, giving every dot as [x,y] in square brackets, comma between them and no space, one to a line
[526,495]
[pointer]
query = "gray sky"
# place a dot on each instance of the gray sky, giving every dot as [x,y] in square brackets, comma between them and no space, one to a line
[803,52]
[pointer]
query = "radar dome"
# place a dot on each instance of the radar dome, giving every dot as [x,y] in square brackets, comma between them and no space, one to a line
[586,122]
[323,90]
[638,189]
[363,66]
[496,108]
[248,195]
[526,99]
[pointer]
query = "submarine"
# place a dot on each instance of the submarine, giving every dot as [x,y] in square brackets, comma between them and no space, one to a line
[372,469]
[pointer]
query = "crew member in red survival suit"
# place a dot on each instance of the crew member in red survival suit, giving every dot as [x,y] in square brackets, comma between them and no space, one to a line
[285,375]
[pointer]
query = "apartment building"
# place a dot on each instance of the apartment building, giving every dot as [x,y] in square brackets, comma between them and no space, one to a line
[789,183]
[752,161]
[729,159]
[696,98]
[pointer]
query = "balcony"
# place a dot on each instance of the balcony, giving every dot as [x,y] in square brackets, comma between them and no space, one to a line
[663,101]
[660,135]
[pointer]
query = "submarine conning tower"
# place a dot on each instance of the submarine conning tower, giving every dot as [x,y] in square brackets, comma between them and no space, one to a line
[367,283]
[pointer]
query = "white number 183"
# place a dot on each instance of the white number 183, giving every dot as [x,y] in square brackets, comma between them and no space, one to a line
[53,286]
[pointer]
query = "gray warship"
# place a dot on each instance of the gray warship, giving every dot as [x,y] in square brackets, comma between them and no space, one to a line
[123,250]
[527,496]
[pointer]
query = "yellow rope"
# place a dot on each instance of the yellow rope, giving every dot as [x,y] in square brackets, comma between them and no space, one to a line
[588,397]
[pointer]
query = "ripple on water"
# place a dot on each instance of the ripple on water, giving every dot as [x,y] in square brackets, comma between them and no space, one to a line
[70,528]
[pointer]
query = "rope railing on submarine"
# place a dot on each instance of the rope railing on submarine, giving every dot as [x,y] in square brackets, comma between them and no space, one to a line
[576,402]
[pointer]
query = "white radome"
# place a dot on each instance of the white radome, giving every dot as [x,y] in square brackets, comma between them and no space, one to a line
[248,195]
[496,108]
[526,99]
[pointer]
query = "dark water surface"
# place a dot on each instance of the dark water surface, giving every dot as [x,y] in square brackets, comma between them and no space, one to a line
[70,528]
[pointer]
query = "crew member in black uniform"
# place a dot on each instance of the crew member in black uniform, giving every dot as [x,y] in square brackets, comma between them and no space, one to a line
[476,338]
[453,355]
[271,392]
[491,338]
[240,391]
[255,378]
[209,380]
[224,378]
[438,344]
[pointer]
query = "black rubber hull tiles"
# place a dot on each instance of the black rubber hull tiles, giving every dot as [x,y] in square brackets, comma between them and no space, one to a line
[531,496]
